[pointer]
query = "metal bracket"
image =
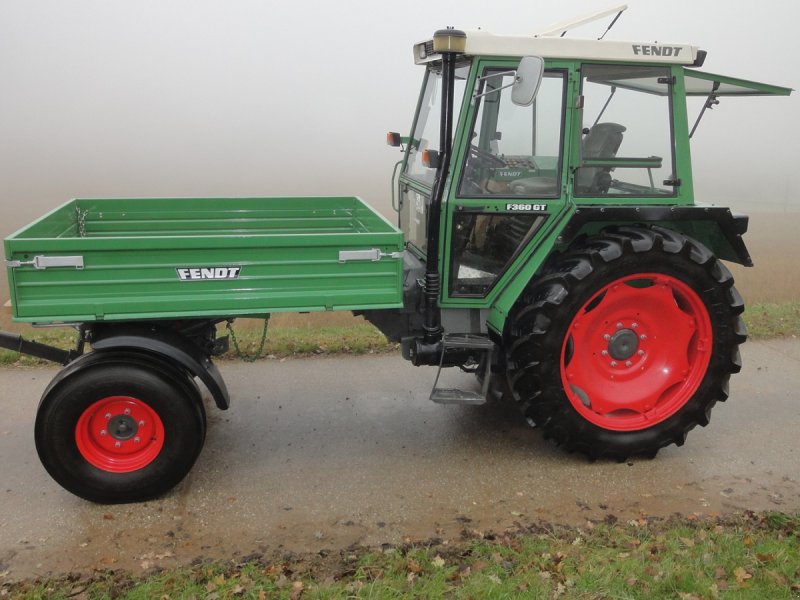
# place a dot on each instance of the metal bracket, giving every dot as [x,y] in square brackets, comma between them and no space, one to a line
[44,262]
[482,344]
[373,254]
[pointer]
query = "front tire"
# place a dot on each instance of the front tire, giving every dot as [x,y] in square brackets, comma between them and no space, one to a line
[625,342]
[116,431]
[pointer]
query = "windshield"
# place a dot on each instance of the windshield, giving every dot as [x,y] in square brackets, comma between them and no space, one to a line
[515,150]
[426,128]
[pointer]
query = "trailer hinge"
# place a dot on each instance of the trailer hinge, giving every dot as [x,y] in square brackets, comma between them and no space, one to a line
[373,254]
[44,262]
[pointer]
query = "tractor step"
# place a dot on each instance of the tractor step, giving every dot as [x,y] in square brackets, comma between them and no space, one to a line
[454,396]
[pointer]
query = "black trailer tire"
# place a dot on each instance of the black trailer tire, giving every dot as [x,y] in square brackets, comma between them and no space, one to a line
[625,342]
[114,431]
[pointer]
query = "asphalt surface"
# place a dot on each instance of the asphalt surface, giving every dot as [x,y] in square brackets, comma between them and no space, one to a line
[323,453]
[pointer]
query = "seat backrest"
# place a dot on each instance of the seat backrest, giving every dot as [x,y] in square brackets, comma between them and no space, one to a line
[602,141]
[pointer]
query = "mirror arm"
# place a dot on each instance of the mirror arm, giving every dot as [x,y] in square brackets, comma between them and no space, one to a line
[495,75]
[493,90]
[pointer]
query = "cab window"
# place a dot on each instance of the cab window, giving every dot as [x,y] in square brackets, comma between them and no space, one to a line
[426,129]
[515,151]
[626,139]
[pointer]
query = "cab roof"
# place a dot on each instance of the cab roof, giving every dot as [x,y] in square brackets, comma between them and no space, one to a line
[483,43]
[698,83]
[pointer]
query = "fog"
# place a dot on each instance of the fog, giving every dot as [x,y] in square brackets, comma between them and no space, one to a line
[242,97]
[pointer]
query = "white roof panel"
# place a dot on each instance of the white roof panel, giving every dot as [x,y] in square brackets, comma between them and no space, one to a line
[483,43]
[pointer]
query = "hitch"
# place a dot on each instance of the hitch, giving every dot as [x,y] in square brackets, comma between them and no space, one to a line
[453,350]
[17,343]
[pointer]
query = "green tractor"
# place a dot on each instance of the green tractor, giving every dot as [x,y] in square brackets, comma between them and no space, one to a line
[549,240]
[564,253]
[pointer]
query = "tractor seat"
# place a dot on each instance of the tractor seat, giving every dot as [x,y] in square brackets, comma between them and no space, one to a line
[602,141]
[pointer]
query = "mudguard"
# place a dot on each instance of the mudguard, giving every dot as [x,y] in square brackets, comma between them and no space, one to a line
[166,345]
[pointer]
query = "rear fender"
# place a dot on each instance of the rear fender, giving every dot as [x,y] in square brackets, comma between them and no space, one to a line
[715,227]
[166,345]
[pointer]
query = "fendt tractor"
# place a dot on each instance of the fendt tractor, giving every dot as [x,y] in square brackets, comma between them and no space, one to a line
[548,240]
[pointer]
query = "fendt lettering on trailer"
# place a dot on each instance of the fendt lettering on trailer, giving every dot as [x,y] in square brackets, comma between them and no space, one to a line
[201,273]
[656,50]
[548,240]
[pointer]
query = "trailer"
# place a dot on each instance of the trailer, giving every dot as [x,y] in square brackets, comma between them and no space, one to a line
[548,240]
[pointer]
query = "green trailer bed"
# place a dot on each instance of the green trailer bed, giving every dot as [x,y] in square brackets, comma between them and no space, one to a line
[112,260]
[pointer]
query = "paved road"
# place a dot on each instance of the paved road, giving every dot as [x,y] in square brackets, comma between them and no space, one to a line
[323,453]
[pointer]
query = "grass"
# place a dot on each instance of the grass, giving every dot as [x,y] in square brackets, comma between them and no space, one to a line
[773,320]
[306,334]
[749,556]
[288,335]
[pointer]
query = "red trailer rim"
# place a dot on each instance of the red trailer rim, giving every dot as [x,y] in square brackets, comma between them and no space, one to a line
[119,434]
[636,352]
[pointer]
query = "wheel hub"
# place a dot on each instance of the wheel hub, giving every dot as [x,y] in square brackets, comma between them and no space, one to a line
[122,427]
[119,434]
[636,351]
[623,344]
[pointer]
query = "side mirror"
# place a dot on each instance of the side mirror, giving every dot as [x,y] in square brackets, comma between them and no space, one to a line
[528,79]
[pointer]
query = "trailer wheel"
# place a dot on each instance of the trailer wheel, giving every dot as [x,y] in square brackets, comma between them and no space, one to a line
[113,432]
[625,342]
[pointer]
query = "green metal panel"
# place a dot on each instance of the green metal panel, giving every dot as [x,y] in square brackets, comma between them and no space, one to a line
[287,251]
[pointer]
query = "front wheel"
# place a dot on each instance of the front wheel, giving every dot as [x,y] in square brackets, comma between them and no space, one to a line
[625,342]
[116,432]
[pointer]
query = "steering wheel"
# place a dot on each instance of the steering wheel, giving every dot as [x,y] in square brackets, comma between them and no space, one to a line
[485,159]
[478,159]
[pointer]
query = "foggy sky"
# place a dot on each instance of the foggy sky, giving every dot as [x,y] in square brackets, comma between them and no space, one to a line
[151,98]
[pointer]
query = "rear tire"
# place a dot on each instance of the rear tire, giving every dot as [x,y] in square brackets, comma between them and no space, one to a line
[113,431]
[625,342]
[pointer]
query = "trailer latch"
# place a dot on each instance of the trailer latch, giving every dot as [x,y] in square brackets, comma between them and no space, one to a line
[374,254]
[44,262]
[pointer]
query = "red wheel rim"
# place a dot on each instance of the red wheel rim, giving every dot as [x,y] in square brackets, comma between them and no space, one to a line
[119,434]
[636,352]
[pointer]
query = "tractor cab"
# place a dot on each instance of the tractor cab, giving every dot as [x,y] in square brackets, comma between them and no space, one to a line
[608,126]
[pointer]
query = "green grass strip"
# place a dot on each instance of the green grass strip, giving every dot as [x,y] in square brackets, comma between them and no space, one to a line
[752,556]
[773,320]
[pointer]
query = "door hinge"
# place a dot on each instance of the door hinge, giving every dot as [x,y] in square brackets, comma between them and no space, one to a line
[374,254]
[44,262]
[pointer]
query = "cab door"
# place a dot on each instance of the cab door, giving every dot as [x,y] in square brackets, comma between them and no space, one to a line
[417,179]
[509,187]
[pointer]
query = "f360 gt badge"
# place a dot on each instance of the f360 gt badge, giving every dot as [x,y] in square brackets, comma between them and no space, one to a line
[200,273]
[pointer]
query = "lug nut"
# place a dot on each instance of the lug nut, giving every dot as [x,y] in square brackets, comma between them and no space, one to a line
[137,439]
[619,325]
[643,337]
[640,353]
[108,416]
[103,432]
[613,363]
[634,325]
[118,445]
[127,411]
[604,353]
[628,363]
[606,337]
[141,423]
